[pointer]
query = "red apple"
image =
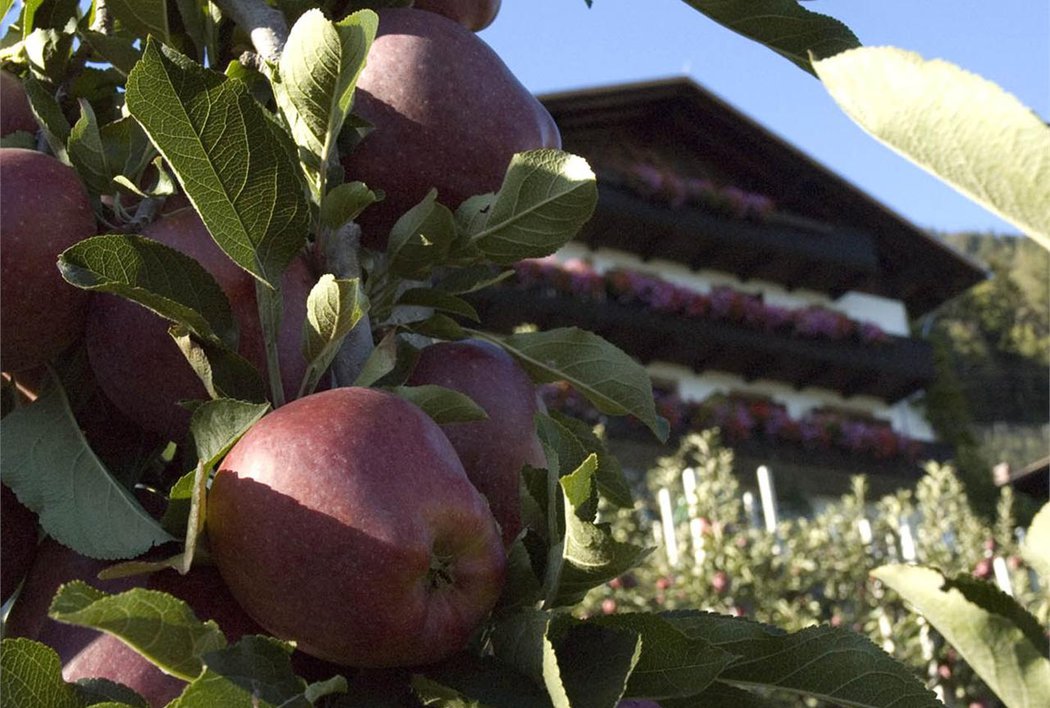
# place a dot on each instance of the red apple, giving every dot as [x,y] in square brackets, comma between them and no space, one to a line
[108,657]
[475,15]
[447,112]
[45,211]
[15,113]
[18,541]
[55,565]
[344,521]
[494,450]
[141,369]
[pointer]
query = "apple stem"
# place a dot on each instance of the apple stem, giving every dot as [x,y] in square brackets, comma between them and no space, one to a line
[266,25]
[270,308]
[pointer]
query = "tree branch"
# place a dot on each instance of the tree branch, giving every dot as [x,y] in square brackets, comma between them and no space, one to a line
[265,25]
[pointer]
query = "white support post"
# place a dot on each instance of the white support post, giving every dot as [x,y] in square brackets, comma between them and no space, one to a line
[1002,575]
[907,542]
[667,518]
[769,498]
[864,529]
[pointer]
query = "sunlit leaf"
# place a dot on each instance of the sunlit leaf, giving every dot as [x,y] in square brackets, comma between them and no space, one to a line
[961,128]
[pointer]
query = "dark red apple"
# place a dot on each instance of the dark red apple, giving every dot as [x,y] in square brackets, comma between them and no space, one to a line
[447,112]
[19,536]
[140,368]
[475,15]
[56,564]
[45,211]
[494,450]
[15,113]
[344,521]
[108,657]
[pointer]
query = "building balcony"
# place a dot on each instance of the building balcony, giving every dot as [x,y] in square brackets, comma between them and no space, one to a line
[890,369]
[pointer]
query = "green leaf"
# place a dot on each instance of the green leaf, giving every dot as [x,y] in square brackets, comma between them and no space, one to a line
[831,664]
[606,376]
[784,26]
[217,425]
[143,17]
[673,663]
[438,326]
[420,239]
[128,150]
[115,48]
[345,202]
[50,117]
[47,462]
[546,198]
[160,627]
[588,665]
[518,641]
[31,675]
[256,672]
[961,128]
[381,361]
[86,152]
[235,163]
[486,681]
[522,588]
[590,554]
[442,404]
[982,628]
[612,483]
[158,277]
[106,694]
[333,308]
[720,694]
[224,372]
[318,71]
[472,279]
[438,300]
[1036,547]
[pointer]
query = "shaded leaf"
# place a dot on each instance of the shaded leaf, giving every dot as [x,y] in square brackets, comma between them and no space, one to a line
[143,17]
[602,373]
[612,483]
[224,372]
[438,300]
[100,691]
[442,404]
[546,198]
[158,277]
[961,128]
[256,672]
[983,632]
[160,627]
[588,665]
[50,117]
[49,465]
[217,425]
[672,663]
[784,26]
[345,202]
[235,163]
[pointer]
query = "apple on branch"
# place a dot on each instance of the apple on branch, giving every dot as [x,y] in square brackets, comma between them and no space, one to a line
[447,113]
[493,451]
[140,368]
[344,521]
[46,210]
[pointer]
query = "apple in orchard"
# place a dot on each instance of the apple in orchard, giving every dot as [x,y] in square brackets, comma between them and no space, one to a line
[140,368]
[55,565]
[494,450]
[45,211]
[344,521]
[108,657]
[447,112]
[18,542]
[475,15]
[15,113]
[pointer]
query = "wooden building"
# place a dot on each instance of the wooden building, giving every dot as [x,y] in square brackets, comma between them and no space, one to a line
[758,287]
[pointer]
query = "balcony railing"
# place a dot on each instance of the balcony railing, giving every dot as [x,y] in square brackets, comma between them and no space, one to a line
[890,370]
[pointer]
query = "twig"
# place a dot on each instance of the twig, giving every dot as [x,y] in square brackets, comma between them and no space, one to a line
[265,25]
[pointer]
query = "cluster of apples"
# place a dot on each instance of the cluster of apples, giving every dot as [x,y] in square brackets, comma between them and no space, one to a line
[347,521]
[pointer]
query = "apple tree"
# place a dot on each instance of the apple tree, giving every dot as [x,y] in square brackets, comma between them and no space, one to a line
[274,457]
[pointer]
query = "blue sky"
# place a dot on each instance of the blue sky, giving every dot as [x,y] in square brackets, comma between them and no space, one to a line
[554,45]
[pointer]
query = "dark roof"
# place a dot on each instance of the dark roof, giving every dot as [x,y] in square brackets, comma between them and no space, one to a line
[684,123]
